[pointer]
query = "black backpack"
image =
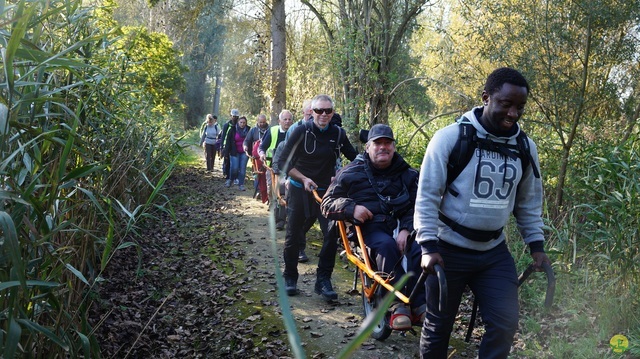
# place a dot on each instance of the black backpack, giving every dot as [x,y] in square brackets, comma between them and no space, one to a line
[468,142]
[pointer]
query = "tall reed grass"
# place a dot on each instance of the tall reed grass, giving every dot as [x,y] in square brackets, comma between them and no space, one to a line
[609,225]
[83,159]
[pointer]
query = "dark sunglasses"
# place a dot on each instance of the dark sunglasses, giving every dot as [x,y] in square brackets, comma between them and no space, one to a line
[319,111]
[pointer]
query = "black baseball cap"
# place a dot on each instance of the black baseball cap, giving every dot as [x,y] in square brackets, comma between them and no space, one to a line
[380,130]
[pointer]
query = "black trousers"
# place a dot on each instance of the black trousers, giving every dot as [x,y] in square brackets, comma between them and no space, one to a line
[492,277]
[210,155]
[226,164]
[302,212]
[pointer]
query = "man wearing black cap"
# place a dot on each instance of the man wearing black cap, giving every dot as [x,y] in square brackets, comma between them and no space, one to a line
[378,191]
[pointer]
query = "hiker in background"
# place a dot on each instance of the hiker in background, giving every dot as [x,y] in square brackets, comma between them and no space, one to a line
[307,115]
[208,139]
[235,114]
[459,220]
[235,150]
[252,143]
[309,158]
[272,139]
[378,191]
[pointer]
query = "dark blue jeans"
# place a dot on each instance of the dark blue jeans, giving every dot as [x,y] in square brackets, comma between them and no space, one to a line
[379,237]
[302,212]
[492,277]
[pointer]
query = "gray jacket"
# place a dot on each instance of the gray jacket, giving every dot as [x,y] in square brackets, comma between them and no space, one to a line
[483,203]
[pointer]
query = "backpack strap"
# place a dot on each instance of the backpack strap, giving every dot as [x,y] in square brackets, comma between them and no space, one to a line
[525,153]
[202,128]
[338,141]
[468,142]
[463,149]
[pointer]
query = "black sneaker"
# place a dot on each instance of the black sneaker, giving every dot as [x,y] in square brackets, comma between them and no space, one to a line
[302,257]
[290,286]
[325,289]
[280,226]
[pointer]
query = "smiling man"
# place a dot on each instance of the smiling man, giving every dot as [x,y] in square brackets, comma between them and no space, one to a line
[309,158]
[461,209]
[378,191]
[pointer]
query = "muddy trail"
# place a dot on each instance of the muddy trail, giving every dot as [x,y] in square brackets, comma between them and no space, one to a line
[202,285]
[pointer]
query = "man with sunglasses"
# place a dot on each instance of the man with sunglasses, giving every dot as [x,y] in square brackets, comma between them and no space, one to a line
[309,158]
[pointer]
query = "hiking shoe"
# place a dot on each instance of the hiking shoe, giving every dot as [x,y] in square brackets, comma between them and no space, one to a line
[302,258]
[290,286]
[235,181]
[325,289]
[400,319]
[241,187]
[227,183]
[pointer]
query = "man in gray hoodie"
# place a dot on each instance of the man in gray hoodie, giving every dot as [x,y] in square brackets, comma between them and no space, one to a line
[459,221]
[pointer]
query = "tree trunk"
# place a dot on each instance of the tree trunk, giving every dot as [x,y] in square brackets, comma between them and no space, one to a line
[577,119]
[216,95]
[278,60]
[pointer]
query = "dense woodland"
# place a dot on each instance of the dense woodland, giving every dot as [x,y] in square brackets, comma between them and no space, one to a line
[95,99]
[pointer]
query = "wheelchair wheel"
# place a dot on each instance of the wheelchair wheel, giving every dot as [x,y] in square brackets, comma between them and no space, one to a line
[382,329]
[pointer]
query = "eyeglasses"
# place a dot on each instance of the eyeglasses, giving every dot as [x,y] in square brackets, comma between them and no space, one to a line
[319,111]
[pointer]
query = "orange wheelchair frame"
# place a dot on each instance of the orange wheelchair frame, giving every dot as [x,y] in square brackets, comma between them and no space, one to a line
[372,281]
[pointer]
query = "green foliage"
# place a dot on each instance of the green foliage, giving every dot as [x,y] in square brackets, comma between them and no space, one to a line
[581,67]
[369,56]
[203,54]
[152,66]
[85,150]
[611,227]
[245,64]
[595,254]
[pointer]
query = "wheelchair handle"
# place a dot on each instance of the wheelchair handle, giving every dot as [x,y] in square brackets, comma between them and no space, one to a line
[316,195]
[551,281]
[551,288]
[442,283]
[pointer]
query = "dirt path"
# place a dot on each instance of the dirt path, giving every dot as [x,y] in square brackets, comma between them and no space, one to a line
[202,285]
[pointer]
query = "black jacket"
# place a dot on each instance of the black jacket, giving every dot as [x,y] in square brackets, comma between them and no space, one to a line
[352,186]
[314,152]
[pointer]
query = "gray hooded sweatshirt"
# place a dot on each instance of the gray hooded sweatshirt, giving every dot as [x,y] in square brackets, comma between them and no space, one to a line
[483,203]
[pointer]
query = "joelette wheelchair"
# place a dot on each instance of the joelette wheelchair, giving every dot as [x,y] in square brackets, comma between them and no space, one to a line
[373,282]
